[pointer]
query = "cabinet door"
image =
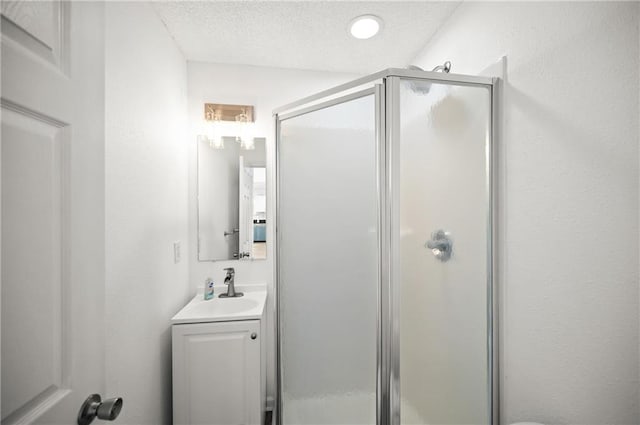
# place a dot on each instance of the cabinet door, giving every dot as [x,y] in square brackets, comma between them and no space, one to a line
[216,373]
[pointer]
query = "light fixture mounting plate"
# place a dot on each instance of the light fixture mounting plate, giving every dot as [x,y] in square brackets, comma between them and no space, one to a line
[226,112]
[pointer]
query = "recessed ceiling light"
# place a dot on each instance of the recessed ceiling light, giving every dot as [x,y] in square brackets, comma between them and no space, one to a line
[365,26]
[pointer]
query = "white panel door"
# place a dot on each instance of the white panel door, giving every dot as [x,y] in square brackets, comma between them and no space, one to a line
[52,193]
[216,373]
[245,244]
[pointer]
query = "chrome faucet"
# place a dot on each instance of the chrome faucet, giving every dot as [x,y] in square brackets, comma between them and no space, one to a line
[230,280]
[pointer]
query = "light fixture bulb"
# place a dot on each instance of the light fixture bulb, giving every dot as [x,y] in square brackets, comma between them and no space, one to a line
[214,134]
[248,144]
[245,138]
[217,143]
[365,26]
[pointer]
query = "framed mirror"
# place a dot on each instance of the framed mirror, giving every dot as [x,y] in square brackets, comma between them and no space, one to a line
[232,213]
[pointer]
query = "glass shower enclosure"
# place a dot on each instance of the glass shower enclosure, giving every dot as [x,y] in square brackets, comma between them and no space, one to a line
[385,286]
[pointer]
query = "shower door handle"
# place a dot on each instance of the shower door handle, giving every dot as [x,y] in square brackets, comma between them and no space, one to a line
[440,245]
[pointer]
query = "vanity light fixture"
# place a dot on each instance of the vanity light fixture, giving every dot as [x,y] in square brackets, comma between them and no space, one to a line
[223,120]
[365,26]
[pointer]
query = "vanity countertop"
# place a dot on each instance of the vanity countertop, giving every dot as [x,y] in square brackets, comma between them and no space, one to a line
[248,307]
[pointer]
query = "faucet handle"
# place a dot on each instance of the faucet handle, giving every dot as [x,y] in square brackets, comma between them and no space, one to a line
[230,271]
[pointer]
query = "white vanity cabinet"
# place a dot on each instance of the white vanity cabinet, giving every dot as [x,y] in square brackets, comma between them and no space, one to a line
[216,373]
[219,360]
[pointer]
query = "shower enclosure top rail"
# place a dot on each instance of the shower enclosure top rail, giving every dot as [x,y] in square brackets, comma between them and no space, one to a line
[456,79]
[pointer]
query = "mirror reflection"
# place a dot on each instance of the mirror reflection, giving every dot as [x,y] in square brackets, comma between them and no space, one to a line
[232,214]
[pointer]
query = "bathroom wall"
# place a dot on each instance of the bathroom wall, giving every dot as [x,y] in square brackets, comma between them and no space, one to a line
[569,201]
[266,89]
[146,208]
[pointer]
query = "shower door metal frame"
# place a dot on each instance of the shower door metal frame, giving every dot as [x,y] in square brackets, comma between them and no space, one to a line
[282,114]
[387,111]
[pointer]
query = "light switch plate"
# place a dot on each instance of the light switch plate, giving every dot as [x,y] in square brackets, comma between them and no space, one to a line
[176,252]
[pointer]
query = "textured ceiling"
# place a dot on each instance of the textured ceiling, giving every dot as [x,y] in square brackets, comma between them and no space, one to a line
[302,34]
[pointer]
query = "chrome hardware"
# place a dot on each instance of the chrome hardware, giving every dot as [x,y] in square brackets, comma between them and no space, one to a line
[93,407]
[254,335]
[232,232]
[241,255]
[230,280]
[446,67]
[440,245]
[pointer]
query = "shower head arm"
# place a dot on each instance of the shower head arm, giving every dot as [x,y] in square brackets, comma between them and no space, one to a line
[446,67]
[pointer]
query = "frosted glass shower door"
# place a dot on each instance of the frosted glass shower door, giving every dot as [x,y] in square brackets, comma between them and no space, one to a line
[328,264]
[441,183]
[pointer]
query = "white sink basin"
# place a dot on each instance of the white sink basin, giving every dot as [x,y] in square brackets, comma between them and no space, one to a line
[249,306]
[225,307]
